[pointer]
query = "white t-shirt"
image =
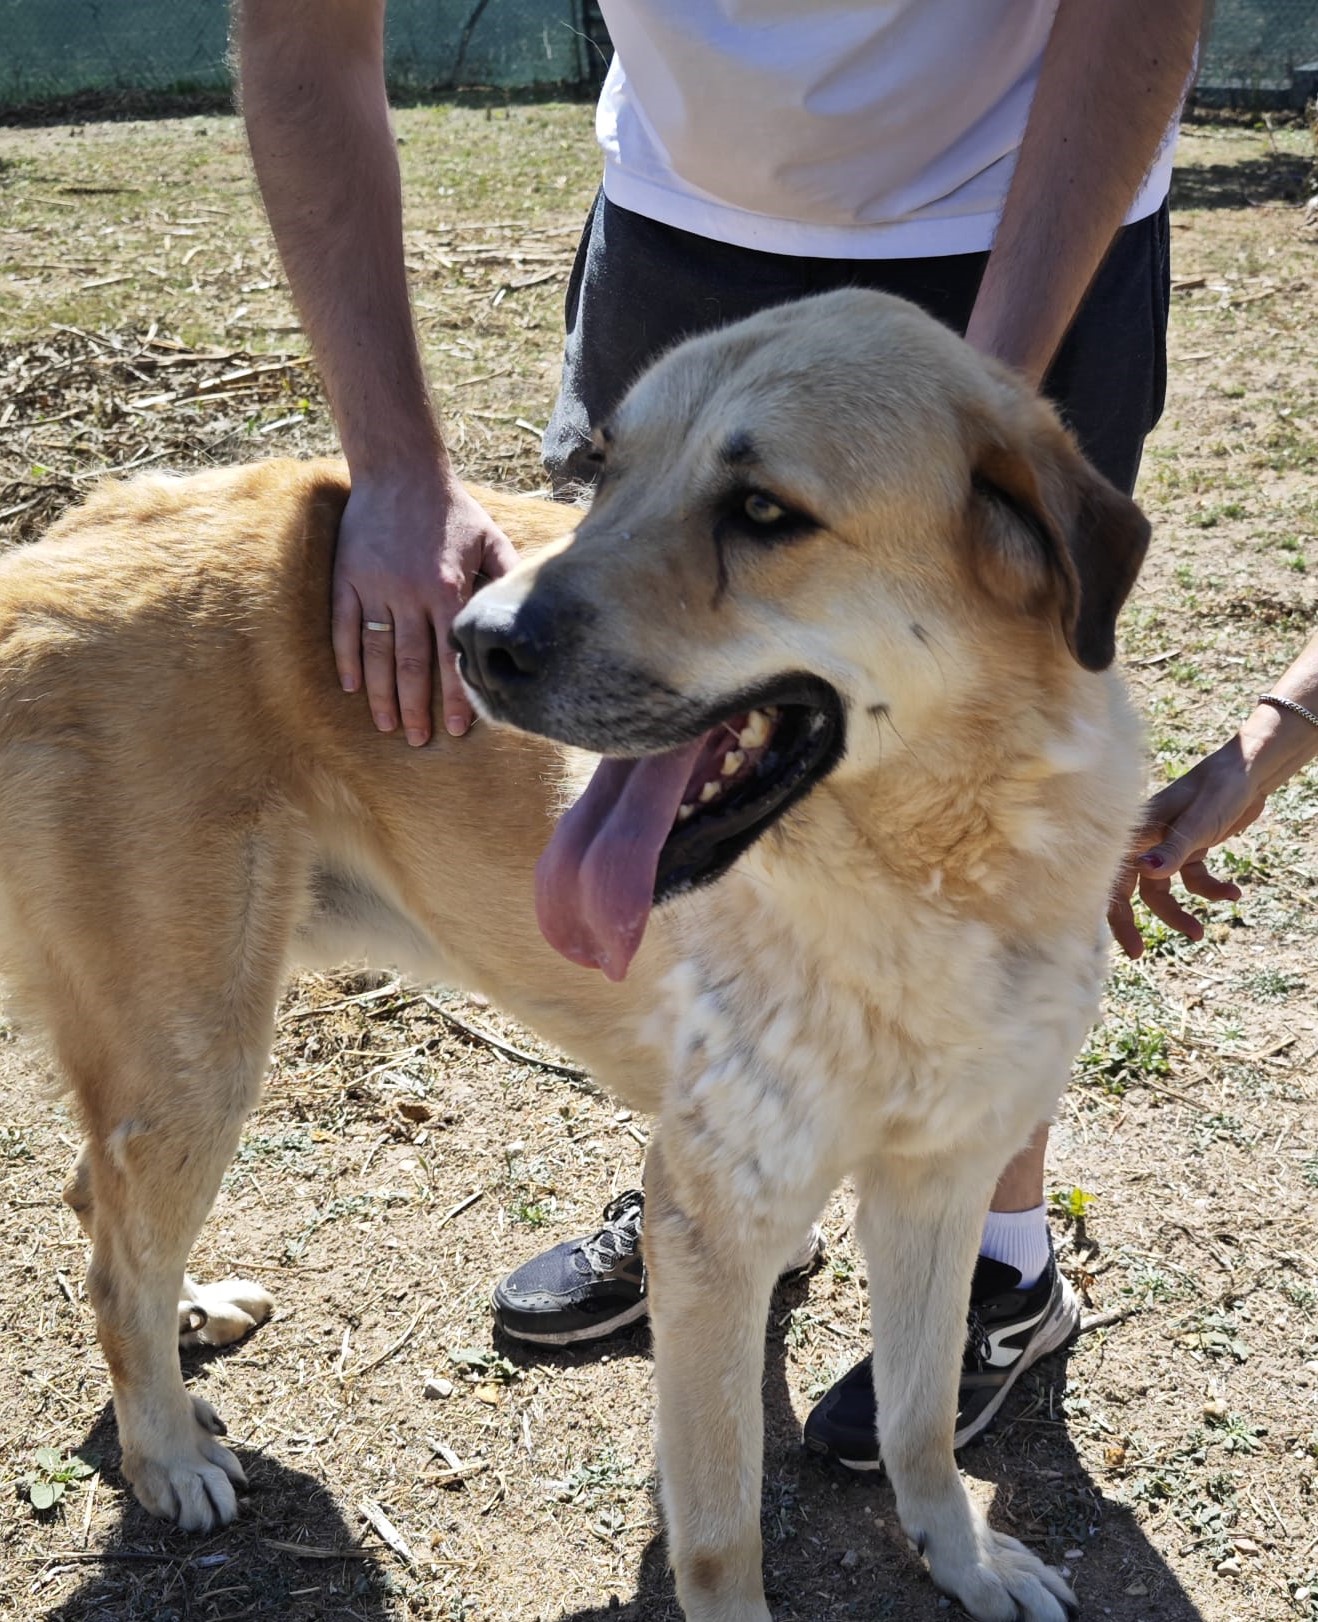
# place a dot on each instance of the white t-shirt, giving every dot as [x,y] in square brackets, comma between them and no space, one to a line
[858,129]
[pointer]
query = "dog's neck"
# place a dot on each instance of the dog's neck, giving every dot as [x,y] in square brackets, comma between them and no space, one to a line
[967,820]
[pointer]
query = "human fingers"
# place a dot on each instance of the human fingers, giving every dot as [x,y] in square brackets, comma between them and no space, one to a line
[1198,880]
[377,644]
[1158,898]
[490,555]
[1121,921]
[346,634]
[498,554]
[458,713]
[413,669]
[1179,843]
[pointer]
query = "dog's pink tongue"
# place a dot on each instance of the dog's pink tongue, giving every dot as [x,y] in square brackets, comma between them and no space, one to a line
[595,881]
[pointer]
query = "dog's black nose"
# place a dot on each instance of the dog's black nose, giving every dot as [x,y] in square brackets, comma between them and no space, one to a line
[502,652]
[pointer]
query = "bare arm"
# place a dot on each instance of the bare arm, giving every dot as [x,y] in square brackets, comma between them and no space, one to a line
[1113,76]
[318,121]
[1224,793]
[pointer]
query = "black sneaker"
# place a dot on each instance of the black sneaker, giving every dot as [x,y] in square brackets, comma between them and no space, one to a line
[588,1288]
[1008,1329]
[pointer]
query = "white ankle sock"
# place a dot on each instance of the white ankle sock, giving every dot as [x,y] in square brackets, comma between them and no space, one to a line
[1019,1239]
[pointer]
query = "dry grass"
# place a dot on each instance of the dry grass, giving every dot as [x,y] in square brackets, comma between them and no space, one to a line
[401,1163]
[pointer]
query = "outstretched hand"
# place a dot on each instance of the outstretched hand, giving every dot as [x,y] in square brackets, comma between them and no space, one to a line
[408,552]
[1181,824]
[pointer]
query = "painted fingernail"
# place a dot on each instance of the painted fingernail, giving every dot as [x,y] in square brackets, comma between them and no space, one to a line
[415,737]
[385,722]
[456,724]
[1155,862]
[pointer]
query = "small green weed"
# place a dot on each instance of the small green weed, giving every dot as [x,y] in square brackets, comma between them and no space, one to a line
[295,1140]
[532,1213]
[1213,1129]
[1271,983]
[1214,1333]
[53,1475]
[606,1479]
[1120,1052]
[532,1202]
[480,1363]
[1303,1296]
[13,1145]
[1071,1202]
[1243,864]
[801,1327]
[1209,516]
[332,1211]
[1149,1283]
[1237,1435]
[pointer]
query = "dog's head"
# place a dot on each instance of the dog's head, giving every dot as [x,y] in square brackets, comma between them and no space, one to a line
[831,516]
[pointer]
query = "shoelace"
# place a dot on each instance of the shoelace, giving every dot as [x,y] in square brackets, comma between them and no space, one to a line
[618,1237]
[978,1345]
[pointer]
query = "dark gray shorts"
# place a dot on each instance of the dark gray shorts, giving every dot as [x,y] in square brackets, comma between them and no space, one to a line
[638,287]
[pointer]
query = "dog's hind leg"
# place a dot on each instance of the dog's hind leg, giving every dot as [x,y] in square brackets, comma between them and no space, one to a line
[161,1011]
[208,1314]
[152,1175]
[919,1222]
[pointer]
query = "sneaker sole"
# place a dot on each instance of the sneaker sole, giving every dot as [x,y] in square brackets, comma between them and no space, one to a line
[1052,1335]
[600,1330]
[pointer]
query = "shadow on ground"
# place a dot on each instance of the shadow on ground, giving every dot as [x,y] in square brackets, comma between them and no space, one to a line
[1277,178]
[833,1548]
[150,1573]
[832,1545]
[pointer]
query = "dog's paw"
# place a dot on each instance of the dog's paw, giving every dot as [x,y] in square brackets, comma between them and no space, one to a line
[219,1314]
[1001,1581]
[193,1484]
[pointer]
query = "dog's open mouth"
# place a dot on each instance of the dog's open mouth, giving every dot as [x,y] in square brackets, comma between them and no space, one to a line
[648,829]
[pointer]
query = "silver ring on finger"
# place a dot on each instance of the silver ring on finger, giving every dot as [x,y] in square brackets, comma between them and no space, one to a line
[387,626]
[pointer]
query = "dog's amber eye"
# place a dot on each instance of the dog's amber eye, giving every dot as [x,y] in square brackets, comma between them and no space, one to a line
[762,509]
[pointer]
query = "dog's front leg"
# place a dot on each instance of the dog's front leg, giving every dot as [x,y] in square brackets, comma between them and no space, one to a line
[919,1222]
[711,1272]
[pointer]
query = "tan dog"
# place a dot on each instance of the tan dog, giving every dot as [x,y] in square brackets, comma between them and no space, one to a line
[850,591]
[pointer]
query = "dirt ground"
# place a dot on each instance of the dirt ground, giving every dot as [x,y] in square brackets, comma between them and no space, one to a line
[409,1151]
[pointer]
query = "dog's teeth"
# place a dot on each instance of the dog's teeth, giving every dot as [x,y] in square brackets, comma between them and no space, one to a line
[733,761]
[756,731]
[710,791]
[685,811]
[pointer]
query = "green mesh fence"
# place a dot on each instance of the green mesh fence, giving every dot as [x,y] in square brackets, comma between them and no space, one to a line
[1261,51]
[55,48]
[1257,51]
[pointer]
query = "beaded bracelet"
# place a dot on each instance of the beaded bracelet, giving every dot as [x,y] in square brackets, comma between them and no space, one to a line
[1289,704]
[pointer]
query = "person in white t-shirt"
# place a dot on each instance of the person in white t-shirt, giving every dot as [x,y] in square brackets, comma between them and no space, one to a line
[1004,163]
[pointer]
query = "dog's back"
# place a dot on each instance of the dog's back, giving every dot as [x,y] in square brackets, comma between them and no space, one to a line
[189,803]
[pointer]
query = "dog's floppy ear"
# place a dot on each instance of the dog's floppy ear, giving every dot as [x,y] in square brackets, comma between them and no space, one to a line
[1047,529]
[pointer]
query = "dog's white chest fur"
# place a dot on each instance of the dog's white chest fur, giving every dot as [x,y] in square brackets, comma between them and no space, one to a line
[866,1019]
